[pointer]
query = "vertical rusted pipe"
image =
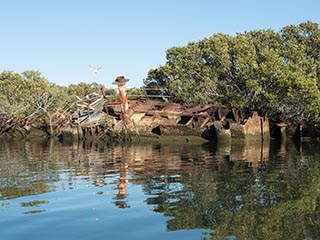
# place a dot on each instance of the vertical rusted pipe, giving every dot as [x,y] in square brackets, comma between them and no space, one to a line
[121,82]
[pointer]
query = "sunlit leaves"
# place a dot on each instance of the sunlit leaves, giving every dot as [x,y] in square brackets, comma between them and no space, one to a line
[14,95]
[276,72]
[29,94]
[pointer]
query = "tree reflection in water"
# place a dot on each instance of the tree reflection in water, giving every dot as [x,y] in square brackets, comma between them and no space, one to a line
[246,190]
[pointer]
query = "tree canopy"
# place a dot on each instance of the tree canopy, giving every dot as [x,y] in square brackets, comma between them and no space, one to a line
[30,94]
[265,70]
[275,72]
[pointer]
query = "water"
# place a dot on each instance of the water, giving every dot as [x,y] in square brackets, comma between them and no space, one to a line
[52,190]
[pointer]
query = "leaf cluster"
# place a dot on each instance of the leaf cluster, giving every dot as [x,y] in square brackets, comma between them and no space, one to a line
[275,72]
[29,94]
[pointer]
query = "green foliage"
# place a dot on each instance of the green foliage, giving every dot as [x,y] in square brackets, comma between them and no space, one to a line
[20,94]
[82,89]
[278,72]
[12,97]
[136,93]
[275,72]
[30,95]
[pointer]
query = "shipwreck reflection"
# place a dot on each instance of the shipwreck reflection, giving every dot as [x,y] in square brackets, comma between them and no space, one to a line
[197,186]
[34,167]
[120,198]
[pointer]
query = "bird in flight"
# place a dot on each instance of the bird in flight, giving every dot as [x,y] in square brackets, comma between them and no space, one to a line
[95,68]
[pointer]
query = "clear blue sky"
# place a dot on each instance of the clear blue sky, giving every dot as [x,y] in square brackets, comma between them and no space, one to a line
[61,38]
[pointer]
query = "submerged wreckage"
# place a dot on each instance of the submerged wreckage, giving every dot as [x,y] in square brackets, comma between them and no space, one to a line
[98,117]
[126,119]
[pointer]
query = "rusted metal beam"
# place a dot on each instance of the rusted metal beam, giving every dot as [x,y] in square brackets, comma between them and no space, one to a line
[121,82]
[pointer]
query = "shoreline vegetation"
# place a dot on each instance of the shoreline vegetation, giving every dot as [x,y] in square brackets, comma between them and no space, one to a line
[258,83]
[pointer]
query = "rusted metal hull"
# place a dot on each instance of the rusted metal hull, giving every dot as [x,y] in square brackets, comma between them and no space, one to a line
[161,118]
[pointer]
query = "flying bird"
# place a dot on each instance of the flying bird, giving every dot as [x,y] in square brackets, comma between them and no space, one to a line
[95,69]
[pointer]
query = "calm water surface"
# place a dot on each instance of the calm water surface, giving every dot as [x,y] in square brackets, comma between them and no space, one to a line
[52,190]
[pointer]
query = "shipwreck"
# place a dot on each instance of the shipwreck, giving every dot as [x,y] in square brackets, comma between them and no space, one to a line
[101,117]
[125,119]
